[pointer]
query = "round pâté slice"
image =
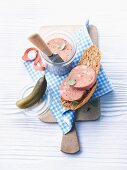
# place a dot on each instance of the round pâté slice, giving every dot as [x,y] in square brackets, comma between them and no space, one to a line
[84,76]
[69,93]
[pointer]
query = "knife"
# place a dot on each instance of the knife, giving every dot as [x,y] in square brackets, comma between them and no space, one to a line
[37,40]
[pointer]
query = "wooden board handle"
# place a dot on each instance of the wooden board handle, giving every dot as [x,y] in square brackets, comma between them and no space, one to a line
[69,142]
[39,43]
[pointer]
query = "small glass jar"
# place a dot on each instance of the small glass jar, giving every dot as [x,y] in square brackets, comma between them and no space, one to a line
[64,67]
[41,107]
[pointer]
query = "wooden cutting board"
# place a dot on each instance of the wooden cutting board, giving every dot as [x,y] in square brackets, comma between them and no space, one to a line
[89,112]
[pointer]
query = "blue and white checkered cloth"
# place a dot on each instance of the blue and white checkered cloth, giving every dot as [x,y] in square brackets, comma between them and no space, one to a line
[65,117]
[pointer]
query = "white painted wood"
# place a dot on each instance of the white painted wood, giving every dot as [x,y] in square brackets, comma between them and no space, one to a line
[26,143]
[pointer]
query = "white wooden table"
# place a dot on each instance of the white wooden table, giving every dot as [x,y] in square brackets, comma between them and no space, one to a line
[26,143]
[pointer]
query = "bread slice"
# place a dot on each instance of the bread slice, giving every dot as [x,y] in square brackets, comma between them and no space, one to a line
[91,57]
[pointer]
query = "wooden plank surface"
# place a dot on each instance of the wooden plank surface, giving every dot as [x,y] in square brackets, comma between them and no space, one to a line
[26,143]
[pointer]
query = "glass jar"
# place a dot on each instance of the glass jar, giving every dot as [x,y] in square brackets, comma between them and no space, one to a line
[42,106]
[64,67]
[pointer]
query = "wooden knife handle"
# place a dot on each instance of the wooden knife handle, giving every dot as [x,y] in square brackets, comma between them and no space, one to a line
[39,43]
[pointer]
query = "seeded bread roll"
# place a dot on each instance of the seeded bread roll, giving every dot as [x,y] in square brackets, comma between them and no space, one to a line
[91,57]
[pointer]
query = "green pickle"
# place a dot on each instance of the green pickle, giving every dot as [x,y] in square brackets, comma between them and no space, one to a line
[34,96]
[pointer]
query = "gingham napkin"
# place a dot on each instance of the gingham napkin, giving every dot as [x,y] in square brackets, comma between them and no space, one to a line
[65,117]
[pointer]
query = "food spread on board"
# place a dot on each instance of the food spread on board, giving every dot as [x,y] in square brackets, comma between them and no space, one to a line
[78,87]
